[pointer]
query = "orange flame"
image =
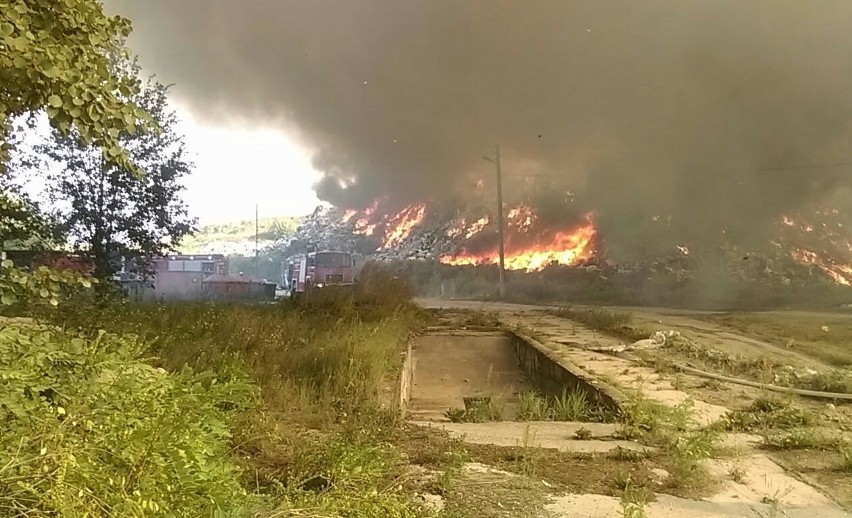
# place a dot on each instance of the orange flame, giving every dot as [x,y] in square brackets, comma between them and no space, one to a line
[457,230]
[841,274]
[348,215]
[521,217]
[477,227]
[565,248]
[362,224]
[364,227]
[403,224]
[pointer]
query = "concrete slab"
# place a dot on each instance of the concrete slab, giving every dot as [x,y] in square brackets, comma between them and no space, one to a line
[764,480]
[448,368]
[539,434]
[665,506]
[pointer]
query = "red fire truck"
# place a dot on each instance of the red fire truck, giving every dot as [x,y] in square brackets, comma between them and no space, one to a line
[319,269]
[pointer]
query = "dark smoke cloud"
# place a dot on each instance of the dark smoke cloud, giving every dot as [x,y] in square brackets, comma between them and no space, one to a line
[677,121]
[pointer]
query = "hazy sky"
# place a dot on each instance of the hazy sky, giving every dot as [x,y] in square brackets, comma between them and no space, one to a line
[674,121]
[238,167]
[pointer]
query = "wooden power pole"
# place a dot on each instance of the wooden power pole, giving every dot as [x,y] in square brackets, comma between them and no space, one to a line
[256,245]
[496,162]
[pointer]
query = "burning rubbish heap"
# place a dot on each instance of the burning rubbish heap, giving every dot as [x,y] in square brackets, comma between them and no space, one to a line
[453,237]
[815,251]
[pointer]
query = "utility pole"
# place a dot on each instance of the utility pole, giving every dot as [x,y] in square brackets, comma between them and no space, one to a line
[256,247]
[496,162]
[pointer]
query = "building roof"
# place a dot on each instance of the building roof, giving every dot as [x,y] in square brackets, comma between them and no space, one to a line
[194,257]
[235,279]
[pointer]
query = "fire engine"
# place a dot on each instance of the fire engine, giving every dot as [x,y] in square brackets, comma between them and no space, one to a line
[319,269]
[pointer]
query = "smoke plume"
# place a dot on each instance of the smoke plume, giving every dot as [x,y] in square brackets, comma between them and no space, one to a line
[675,121]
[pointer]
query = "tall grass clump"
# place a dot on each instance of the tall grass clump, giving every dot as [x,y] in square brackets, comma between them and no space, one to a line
[335,346]
[615,323]
[674,430]
[319,440]
[570,405]
[91,429]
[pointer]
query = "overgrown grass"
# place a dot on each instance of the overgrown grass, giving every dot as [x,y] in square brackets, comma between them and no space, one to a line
[479,412]
[764,369]
[846,458]
[675,432]
[633,500]
[801,439]
[569,406]
[767,414]
[90,429]
[615,323]
[319,441]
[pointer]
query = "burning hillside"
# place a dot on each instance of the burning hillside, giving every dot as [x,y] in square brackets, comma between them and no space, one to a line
[819,240]
[805,248]
[417,231]
[533,254]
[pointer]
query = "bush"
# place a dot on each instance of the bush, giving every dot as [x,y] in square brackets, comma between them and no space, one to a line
[317,445]
[89,429]
[766,413]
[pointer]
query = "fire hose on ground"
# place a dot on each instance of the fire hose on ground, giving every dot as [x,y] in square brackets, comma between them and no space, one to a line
[763,386]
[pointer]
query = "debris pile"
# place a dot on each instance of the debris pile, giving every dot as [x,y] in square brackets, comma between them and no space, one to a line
[456,237]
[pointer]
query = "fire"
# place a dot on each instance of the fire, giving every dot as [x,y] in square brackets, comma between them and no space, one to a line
[457,230]
[565,248]
[348,215]
[403,224]
[362,224]
[841,274]
[521,217]
[477,227]
[364,227]
[808,237]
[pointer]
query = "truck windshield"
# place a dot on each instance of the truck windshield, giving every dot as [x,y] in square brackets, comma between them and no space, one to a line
[334,260]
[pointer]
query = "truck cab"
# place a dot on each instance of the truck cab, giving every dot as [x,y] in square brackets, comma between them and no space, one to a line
[319,269]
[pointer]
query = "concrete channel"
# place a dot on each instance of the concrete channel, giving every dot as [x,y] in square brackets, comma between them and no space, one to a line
[443,367]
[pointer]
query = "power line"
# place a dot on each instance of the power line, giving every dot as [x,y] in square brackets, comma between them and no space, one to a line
[811,166]
[779,168]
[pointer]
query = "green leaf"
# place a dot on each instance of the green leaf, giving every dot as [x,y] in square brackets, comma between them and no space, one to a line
[55,101]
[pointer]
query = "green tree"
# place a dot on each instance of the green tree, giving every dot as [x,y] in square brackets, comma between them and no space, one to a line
[109,211]
[22,224]
[56,56]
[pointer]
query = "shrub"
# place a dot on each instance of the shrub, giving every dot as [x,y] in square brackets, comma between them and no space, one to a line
[89,429]
[765,414]
[533,407]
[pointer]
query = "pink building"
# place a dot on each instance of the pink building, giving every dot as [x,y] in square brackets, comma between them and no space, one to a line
[181,277]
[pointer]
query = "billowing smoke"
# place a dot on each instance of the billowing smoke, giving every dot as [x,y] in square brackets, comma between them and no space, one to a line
[676,121]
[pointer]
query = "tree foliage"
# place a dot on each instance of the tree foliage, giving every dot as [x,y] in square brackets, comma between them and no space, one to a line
[57,56]
[22,223]
[108,210]
[37,285]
